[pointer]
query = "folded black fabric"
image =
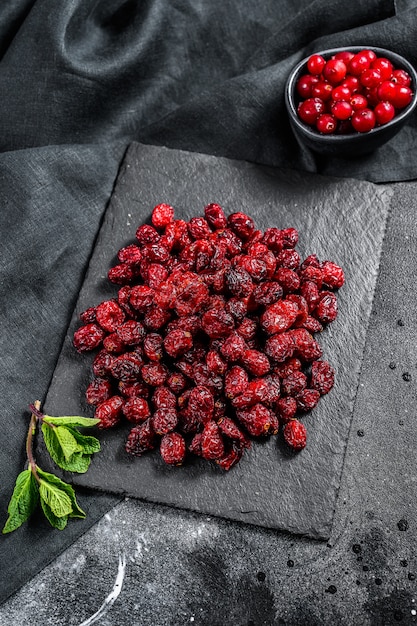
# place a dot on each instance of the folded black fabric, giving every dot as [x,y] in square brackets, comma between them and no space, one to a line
[207,77]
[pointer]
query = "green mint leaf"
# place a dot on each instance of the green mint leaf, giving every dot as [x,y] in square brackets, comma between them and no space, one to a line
[71,420]
[56,522]
[89,444]
[67,489]
[79,461]
[55,497]
[23,501]
[66,440]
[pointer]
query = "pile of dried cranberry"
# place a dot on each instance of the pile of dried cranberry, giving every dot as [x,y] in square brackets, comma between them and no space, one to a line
[351,92]
[210,339]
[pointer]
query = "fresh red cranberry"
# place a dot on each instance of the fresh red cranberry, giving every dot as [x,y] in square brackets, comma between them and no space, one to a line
[384,66]
[322,90]
[326,123]
[342,110]
[384,112]
[315,64]
[310,109]
[363,121]
[305,85]
[358,101]
[334,71]
[401,77]
[402,98]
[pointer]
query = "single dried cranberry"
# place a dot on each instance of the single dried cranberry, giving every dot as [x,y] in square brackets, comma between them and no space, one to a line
[157,274]
[141,298]
[121,274]
[313,325]
[126,367]
[294,383]
[241,224]
[247,328]
[136,410]
[322,376]
[173,448]
[288,279]
[305,346]
[217,323]
[239,282]
[191,297]
[215,216]
[140,439]
[131,254]
[131,332]
[231,430]
[267,293]
[286,408]
[154,374]
[279,347]
[176,382]
[102,364]
[212,444]
[233,347]
[231,456]
[307,399]
[201,403]
[89,315]
[88,337]
[109,412]
[326,309]
[147,234]
[295,434]
[155,317]
[332,275]
[258,420]
[113,344]
[99,390]
[162,215]
[255,362]
[164,421]
[195,444]
[236,381]
[177,342]
[257,390]
[310,292]
[279,317]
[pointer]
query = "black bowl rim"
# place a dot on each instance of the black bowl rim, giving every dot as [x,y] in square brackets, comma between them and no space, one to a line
[351,137]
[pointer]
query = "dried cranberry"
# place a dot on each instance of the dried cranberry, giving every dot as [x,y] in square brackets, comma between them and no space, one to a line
[113,344]
[255,362]
[236,381]
[109,412]
[217,323]
[258,420]
[295,434]
[88,337]
[177,342]
[126,367]
[99,390]
[141,298]
[322,376]
[164,421]
[136,410]
[241,224]
[173,448]
[140,439]
[286,408]
[279,317]
[131,332]
[326,309]
[162,215]
[154,374]
[212,444]
[131,255]
[215,216]
[294,383]
[233,347]
[307,399]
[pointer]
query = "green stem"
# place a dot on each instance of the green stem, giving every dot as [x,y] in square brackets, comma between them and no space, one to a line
[29,442]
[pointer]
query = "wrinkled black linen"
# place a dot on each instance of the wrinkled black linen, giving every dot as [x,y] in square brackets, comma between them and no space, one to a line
[81,79]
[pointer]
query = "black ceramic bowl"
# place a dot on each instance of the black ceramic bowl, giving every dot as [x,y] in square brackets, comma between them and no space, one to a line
[354,143]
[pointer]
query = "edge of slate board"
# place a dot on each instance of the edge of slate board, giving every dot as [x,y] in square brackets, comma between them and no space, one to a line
[339,219]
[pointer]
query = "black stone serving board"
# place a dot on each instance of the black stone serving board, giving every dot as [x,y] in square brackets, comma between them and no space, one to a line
[339,219]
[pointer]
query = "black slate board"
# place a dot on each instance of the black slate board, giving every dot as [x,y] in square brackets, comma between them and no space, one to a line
[338,219]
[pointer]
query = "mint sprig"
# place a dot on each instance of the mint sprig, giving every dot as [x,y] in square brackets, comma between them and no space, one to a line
[71,450]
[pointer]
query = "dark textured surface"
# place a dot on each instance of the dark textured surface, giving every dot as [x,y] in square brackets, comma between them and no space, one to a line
[183,567]
[338,219]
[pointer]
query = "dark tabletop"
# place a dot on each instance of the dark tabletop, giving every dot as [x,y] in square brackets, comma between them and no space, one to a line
[79,85]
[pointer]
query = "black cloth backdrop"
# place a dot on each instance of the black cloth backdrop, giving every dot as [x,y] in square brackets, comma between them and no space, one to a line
[81,79]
